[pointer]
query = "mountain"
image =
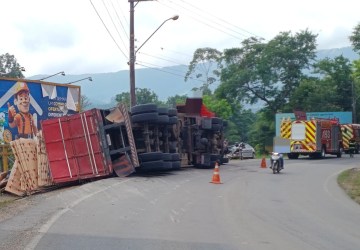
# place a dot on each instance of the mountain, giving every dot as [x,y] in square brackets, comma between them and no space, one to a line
[101,91]
[347,52]
[165,82]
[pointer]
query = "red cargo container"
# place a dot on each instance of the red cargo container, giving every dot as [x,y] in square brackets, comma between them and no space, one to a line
[76,147]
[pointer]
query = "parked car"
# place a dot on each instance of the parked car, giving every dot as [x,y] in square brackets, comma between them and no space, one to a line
[241,150]
[248,151]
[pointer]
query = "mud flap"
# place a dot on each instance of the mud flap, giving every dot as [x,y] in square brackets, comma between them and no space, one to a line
[123,166]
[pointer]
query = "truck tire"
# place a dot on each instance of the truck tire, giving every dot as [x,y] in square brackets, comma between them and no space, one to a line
[152,165]
[175,157]
[163,111]
[145,117]
[176,165]
[162,119]
[152,156]
[167,165]
[167,157]
[172,112]
[173,120]
[144,108]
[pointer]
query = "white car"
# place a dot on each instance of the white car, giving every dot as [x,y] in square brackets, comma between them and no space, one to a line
[242,150]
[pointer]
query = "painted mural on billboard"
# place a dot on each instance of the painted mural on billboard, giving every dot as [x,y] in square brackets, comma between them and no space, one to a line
[343,117]
[24,103]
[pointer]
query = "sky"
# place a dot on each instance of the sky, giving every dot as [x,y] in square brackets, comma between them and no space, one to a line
[92,36]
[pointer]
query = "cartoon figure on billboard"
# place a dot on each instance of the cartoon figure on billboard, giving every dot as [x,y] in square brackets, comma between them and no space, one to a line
[23,120]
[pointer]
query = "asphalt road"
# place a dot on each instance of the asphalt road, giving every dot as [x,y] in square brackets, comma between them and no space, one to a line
[301,208]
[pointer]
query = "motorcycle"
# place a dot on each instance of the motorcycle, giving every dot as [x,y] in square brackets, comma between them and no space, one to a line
[277,162]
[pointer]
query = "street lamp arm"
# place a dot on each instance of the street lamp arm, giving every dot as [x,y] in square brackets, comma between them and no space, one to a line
[61,72]
[171,18]
[90,79]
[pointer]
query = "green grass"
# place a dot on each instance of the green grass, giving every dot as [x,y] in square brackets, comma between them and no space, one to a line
[5,203]
[349,180]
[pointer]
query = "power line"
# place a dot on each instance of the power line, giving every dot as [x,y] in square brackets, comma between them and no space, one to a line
[223,20]
[120,20]
[108,31]
[176,52]
[158,69]
[203,22]
[112,20]
[194,14]
[158,57]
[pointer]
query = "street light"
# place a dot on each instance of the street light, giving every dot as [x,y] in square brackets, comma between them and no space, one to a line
[133,52]
[176,17]
[89,78]
[61,72]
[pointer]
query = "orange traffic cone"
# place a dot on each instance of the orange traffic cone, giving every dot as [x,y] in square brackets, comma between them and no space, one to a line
[263,163]
[216,175]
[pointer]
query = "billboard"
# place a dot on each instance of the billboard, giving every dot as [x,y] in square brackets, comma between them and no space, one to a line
[344,117]
[24,103]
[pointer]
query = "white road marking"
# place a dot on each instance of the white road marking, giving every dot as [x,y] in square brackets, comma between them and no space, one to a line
[45,228]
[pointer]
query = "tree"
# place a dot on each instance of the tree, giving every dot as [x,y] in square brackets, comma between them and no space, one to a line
[204,67]
[123,97]
[356,79]
[146,96]
[172,101]
[355,38]
[267,72]
[313,95]
[262,131]
[9,66]
[84,103]
[143,95]
[239,126]
[220,107]
[337,77]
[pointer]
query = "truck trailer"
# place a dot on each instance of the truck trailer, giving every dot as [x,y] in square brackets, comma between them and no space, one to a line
[146,138]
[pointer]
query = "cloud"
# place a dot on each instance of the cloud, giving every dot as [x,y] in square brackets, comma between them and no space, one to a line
[38,35]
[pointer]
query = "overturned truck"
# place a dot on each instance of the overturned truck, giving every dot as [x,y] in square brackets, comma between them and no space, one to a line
[147,138]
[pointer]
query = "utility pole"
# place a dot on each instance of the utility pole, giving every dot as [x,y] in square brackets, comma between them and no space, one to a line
[132,48]
[132,56]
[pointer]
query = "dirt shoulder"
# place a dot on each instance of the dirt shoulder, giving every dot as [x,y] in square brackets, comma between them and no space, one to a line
[10,205]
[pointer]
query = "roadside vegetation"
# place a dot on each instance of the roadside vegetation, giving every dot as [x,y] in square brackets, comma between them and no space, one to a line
[349,180]
[6,199]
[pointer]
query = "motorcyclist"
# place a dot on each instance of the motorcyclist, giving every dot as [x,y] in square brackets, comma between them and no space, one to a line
[281,161]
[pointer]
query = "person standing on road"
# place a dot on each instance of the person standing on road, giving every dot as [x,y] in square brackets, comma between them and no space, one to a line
[352,148]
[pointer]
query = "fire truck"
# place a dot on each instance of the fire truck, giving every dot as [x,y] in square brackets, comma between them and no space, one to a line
[351,133]
[315,137]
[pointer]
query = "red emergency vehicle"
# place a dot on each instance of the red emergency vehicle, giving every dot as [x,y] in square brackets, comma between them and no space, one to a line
[351,133]
[315,137]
